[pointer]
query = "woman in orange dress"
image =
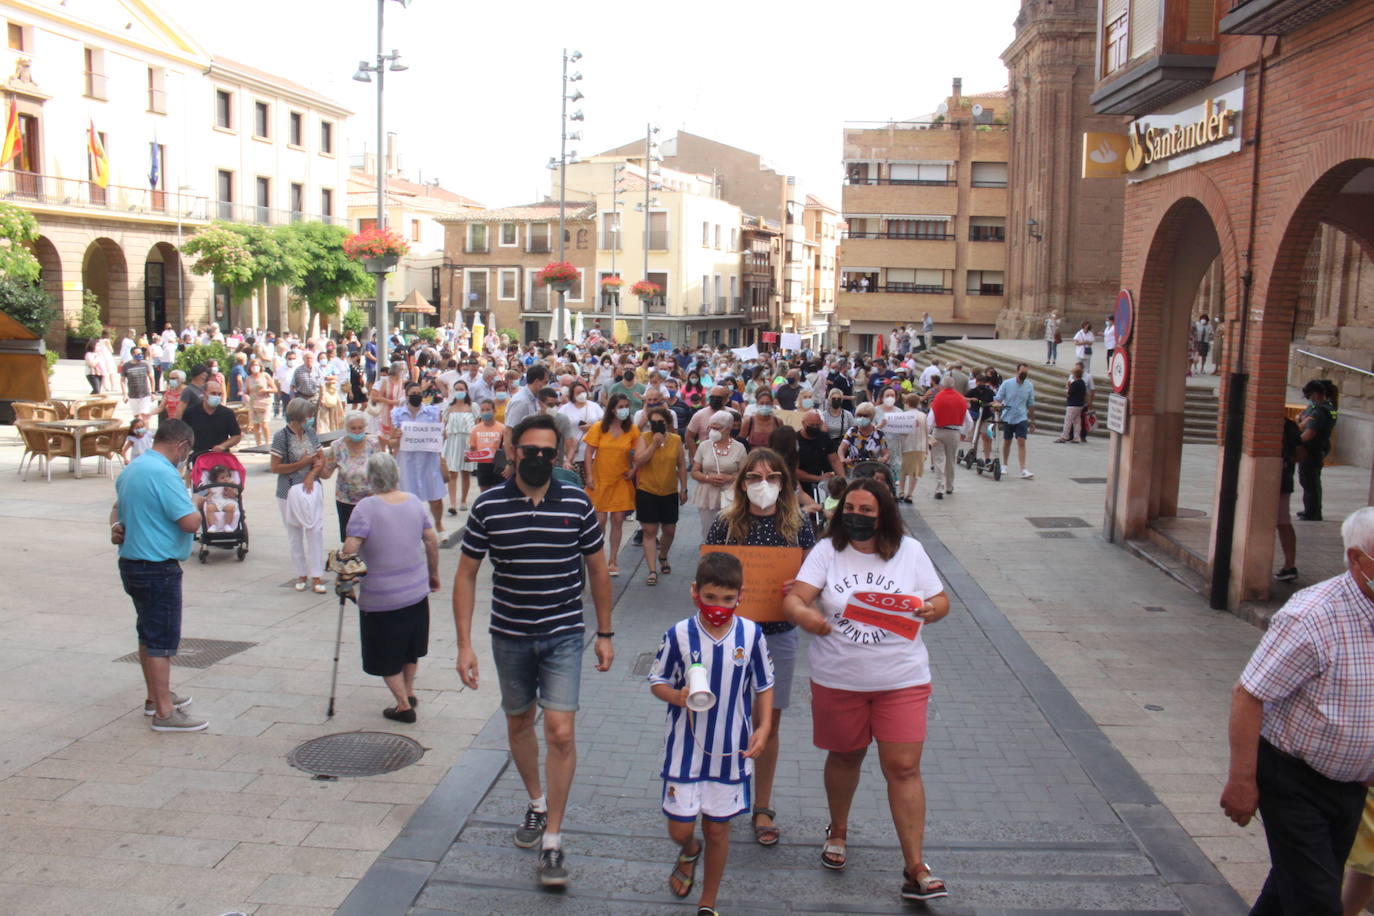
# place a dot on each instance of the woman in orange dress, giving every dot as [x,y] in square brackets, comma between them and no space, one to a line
[610,477]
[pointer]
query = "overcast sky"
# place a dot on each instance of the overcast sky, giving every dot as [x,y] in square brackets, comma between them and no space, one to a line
[478,107]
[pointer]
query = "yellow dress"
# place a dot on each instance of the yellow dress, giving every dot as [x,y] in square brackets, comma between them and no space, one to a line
[1362,852]
[614,450]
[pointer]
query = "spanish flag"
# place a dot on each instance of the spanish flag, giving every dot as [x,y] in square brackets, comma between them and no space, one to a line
[12,142]
[100,163]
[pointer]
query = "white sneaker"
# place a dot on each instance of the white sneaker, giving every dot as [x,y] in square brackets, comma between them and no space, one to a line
[1026,475]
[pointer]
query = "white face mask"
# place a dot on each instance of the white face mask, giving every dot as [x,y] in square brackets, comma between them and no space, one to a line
[763,494]
[717,435]
[890,400]
[581,397]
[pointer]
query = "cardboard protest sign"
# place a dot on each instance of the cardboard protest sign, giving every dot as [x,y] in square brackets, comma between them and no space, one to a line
[766,570]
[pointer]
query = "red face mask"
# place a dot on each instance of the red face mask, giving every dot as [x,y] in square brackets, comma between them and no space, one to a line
[714,614]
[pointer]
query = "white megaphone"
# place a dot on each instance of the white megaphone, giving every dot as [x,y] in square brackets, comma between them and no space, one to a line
[699,695]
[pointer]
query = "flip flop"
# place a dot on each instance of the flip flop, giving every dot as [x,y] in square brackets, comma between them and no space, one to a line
[688,878]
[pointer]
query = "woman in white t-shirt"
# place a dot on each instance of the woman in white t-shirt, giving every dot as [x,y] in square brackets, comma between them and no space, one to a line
[583,413]
[1083,345]
[865,594]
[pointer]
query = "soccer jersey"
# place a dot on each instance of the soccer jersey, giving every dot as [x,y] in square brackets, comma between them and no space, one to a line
[708,745]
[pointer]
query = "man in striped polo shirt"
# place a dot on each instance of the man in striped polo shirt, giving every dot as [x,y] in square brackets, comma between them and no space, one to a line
[537,532]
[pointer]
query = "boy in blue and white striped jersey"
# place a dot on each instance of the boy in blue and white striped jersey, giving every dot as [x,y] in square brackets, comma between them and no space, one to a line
[707,755]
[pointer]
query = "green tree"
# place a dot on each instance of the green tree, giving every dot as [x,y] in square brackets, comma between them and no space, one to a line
[355,320]
[89,327]
[18,230]
[222,252]
[27,303]
[202,353]
[325,274]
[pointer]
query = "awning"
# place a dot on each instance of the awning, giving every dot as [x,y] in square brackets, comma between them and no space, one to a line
[417,304]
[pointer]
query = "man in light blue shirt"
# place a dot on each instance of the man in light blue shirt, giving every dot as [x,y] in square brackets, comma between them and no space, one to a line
[152,521]
[1016,397]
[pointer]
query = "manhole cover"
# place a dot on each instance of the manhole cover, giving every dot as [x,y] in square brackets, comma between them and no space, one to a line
[1190,513]
[355,754]
[199,653]
[1057,521]
[1057,534]
[1088,479]
[643,662]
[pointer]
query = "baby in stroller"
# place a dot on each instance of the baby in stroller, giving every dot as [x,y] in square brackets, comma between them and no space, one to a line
[217,479]
[219,509]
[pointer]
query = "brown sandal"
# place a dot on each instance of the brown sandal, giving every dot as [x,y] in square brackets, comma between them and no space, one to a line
[769,834]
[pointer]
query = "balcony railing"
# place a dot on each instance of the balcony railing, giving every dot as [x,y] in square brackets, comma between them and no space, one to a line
[720,305]
[989,183]
[915,288]
[987,289]
[53,190]
[987,234]
[658,305]
[910,236]
[231,212]
[910,182]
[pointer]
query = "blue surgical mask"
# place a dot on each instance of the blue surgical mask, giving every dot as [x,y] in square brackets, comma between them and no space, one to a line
[764,410]
[864,421]
[309,423]
[488,416]
[622,413]
[460,395]
[213,400]
[357,437]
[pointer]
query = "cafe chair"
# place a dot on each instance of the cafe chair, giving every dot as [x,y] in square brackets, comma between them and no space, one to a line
[107,444]
[35,410]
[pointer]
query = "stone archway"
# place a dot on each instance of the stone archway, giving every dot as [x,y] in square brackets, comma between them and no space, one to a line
[105,272]
[164,288]
[50,263]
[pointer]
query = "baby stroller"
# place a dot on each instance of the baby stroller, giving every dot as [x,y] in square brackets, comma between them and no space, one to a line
[225,496]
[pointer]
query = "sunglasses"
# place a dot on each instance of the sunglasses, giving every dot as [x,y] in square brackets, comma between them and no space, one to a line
[536,451]
[760,478]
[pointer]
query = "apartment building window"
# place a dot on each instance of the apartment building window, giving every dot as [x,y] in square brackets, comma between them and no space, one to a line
[659,279]
[734,240]
[705,235]
[510,235]
[415,230]
[987,229]
[705,293]
[507,284]
[720,295]
[296,129]
[658,230]
[575,293]
[366,223]
[297,202]
[734,294]
[989,174]
[327,205]
[477,238]
[224,189]
[610,231]
[919,173]
[18,37]
[717,236]
[1116,45]
[476,282]
[264,189]
[262,120]
[157,93]
[95,73]
[914,280]
[583,239]
[984,283]
[538,238]
[918,229]
[224,109]
[327,137]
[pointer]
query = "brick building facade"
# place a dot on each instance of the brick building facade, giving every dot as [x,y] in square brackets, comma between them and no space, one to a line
[1300,165]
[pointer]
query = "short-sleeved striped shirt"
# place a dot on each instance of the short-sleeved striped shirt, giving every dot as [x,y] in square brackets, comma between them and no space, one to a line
[536,556]
[1314,670]
[707,745]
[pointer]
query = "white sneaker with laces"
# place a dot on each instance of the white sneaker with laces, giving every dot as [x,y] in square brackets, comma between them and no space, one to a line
[1026,475]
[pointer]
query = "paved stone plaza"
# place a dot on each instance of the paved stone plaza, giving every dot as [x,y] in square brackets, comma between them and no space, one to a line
[1053,782]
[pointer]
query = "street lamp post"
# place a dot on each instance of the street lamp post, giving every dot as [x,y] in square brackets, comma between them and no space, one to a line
[613,294]
[649,131]
[384,62]
[564,136]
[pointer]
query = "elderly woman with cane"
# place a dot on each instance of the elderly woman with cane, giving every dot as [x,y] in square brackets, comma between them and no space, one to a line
[393,533]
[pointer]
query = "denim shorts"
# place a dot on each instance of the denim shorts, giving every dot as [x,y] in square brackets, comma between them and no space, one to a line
[548,669]
[155,588]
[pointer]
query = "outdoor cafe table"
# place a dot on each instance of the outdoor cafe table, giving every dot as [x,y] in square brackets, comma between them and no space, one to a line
[76,428]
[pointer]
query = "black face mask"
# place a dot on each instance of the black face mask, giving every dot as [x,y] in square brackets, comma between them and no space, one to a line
[717,402]
[1021,376]
[416,399]
[535,471]
[859,527]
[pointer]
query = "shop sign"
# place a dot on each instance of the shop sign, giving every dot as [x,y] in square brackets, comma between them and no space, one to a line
[1200,127]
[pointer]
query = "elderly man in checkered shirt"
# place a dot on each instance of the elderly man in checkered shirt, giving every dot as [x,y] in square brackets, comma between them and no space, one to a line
[1302,732]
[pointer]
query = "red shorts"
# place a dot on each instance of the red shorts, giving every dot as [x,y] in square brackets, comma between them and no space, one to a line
[848,720]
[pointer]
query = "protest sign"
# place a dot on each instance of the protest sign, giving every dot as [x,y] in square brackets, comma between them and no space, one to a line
[418,436]
[766,570]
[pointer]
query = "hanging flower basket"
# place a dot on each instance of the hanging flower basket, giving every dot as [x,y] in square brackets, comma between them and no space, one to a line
[559,275]
[612,283]
[646,290]
[375,245]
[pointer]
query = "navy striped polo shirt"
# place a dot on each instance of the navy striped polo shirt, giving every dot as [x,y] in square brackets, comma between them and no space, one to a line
[536,556]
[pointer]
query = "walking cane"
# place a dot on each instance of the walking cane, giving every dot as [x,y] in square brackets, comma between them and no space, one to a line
[348,570]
